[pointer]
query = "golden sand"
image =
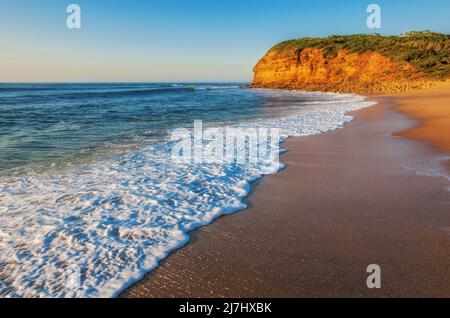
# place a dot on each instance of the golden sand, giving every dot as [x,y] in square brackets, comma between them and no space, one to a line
[432,108]
[312,229]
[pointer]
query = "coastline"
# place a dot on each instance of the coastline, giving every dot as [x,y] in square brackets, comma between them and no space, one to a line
[309,231]
[141,219]
[431,108]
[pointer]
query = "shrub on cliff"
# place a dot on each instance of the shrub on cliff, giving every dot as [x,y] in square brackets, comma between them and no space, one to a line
[427,51]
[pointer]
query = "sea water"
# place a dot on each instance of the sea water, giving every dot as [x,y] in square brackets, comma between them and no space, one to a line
[90,199]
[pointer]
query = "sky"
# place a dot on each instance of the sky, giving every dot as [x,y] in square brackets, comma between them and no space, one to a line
[180,40]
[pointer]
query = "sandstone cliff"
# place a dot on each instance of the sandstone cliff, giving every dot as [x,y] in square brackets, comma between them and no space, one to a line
[350,64]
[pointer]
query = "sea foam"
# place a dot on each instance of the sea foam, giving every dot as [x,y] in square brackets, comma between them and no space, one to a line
[93,229]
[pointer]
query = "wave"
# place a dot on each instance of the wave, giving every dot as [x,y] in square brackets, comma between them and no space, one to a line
[81,92]
[212,88]
[93,229]
[111,93]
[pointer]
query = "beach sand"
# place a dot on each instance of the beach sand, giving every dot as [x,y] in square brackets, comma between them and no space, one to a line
[347,199]
[432,108]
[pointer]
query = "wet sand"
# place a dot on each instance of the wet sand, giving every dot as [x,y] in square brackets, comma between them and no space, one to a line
[431,107]
[347,199]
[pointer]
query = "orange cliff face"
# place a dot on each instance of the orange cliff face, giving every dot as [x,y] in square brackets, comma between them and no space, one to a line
[311,70]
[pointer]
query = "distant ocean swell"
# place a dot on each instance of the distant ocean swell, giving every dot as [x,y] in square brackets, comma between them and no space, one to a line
[90,230]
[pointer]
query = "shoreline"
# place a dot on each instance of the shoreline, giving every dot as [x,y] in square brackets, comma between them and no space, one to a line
[133,229]
[432,113]
[205,263]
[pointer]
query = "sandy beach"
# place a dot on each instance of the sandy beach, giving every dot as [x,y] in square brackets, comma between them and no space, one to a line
[140,152]
[431,108]
[347,199]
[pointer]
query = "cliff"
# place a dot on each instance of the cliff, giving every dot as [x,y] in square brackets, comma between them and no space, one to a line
[358,63]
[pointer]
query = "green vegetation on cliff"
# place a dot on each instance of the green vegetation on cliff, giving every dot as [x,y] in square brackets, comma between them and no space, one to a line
[429,52]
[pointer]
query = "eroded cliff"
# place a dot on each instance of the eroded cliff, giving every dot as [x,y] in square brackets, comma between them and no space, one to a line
[346,69]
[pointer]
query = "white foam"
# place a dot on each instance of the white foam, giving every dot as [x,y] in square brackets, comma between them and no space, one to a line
[92,230]
[429,167]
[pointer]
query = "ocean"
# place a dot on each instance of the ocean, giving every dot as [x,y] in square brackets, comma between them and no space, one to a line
[90,200]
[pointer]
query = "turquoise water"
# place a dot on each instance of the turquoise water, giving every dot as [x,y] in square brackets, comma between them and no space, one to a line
[90,200]
[49,123]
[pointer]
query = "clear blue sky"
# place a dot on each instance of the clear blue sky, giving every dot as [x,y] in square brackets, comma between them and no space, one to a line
[180,40]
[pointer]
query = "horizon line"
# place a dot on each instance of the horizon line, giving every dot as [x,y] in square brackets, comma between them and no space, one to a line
[124,82]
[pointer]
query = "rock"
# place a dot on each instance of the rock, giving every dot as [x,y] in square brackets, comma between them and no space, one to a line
[311,70]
